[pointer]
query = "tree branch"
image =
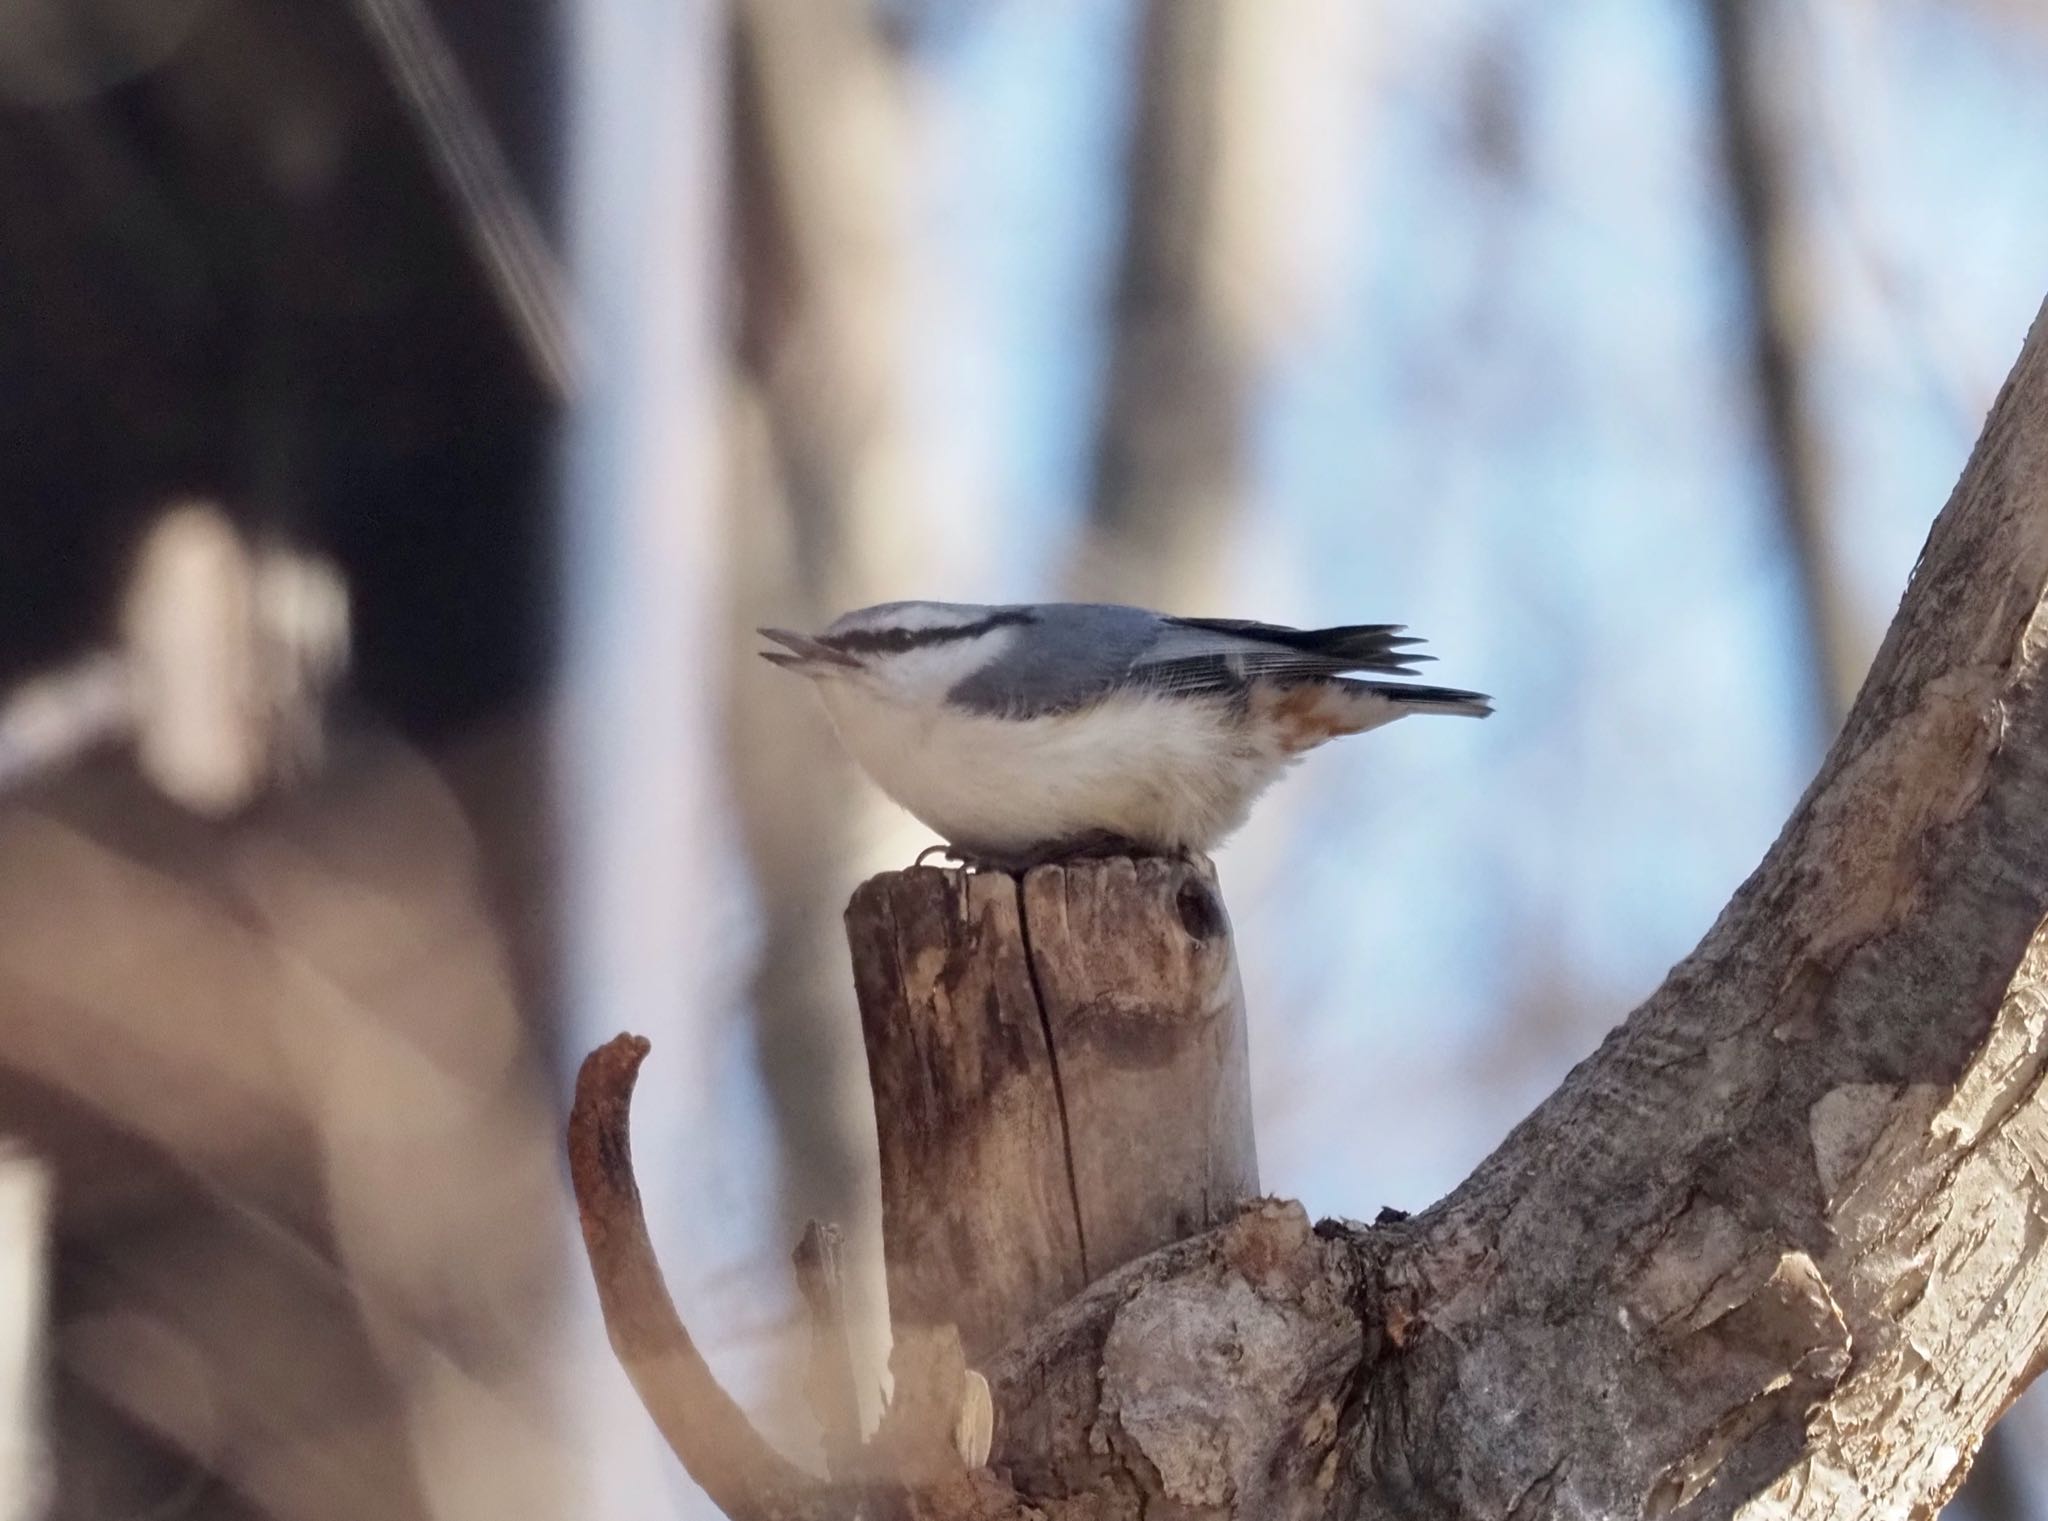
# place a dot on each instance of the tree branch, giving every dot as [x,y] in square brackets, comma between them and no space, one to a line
[743,1475]
[1835,1088]
[911,1471]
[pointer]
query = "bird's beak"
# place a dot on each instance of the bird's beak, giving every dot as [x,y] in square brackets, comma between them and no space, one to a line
[807,654]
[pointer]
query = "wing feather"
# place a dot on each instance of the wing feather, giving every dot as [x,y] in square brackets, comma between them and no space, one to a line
[1223,654]
[1070,655]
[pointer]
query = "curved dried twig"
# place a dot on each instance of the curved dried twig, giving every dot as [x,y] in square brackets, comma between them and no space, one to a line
[910,1472]
[719,1447]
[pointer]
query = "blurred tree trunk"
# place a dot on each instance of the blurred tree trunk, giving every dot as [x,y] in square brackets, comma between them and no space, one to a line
[1760,143]
[1170,455]
[824,517]
[1208,286]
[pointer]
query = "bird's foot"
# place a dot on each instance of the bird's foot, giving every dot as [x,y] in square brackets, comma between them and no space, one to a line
[970,860]
[1094,845]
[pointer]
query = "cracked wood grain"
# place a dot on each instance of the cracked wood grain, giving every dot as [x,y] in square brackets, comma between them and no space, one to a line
[1060,1079]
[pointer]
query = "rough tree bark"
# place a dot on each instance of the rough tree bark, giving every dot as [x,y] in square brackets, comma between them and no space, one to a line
[1775,1248]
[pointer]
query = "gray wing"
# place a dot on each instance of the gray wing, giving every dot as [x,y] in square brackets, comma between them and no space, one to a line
[1072,654]
[1067,656]
[1223,654]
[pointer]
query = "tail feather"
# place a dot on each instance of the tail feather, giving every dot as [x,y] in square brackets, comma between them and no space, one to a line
[1427,699]
[1303,714]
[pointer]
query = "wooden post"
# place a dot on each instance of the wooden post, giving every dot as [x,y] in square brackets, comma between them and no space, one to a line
[1060,1077]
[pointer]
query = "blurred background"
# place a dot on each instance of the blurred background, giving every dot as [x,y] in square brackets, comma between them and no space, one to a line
[409,407]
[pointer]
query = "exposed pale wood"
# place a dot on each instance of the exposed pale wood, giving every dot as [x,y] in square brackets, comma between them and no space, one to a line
[1060,1079]
[1202,1380]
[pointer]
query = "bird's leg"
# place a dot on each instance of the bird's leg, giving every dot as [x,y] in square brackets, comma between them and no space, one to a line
[972,860]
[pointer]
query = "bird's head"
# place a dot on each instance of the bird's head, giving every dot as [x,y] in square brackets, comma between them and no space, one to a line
[907,651]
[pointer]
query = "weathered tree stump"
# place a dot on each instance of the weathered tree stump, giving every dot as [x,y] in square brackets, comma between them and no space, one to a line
[1060,1077]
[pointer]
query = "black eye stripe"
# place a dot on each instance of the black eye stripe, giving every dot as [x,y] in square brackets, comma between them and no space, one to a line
[891,641]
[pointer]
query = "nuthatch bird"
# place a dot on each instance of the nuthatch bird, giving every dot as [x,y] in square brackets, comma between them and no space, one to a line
[1040,731]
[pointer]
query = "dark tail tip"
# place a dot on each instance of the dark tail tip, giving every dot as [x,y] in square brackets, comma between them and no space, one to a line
[1437,699]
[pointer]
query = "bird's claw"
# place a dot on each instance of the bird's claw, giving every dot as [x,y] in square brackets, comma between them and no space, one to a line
[1096,845]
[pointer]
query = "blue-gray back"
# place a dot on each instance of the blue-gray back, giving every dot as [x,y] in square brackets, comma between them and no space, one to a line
[1067,655]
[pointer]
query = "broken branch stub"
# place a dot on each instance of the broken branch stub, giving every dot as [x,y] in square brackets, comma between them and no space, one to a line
[830,1382]
[913,1470]
[1060,1076]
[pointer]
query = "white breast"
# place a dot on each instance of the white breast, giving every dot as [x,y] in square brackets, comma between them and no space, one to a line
[1163,772]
